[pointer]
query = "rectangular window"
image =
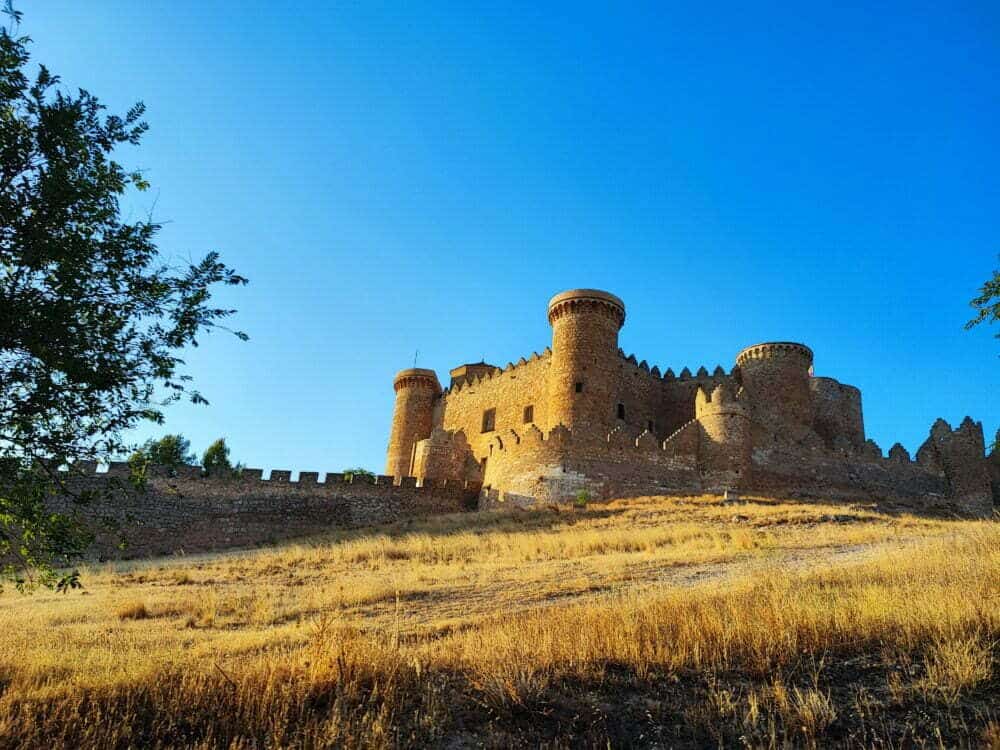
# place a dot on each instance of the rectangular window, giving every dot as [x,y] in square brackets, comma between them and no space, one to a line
[621,411]
[529,414]
[579,387]
[650,425]
[489,420]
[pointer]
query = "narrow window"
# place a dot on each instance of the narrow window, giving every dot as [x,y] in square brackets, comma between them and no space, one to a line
[482,465]
[650,425]
[489,420]
[529,414]
[621,411]
[579,387]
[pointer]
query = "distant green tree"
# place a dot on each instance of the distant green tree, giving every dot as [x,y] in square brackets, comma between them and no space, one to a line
[987,304]
[215,460]
[170,451]
[358,472]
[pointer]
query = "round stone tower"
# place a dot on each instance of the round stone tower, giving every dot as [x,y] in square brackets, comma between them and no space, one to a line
[725,449]
[776,379]
[412,417]
[584,369]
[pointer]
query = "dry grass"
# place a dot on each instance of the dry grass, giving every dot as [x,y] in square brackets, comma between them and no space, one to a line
[132,610]
[677,622]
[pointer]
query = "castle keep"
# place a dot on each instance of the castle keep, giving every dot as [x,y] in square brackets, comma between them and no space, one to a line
[584,417]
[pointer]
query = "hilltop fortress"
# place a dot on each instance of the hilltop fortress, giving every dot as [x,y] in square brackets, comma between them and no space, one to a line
[584,419]
[579,418]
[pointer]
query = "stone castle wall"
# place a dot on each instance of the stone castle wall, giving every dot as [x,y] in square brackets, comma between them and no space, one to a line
[508,391]
[608,424]
[837,413]
[190,513]
[537,469]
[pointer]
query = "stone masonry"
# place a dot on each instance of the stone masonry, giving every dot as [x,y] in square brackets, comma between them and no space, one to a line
[584,417]
[189,512]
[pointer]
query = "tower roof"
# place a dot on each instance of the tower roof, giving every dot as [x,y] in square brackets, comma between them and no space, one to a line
[593,294]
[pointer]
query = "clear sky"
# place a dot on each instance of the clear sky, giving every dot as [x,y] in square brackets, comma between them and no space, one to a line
[426,175]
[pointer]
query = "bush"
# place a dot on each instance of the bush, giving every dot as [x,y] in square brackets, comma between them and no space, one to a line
[358,472]
[582,498]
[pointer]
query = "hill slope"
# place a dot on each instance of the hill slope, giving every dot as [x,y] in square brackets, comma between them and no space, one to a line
[645,622]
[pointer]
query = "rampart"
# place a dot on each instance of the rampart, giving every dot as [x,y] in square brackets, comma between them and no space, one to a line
[189,512]
[539,468]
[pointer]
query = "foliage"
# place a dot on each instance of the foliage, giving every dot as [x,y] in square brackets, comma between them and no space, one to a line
[582,498]
[92,318]
[357,472]
[215,460]
[170,451]
[987,303]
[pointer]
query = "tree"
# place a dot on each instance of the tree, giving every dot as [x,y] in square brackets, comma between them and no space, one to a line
[92,318]
[987,304]
[358,472]
[215,460]
[170,451]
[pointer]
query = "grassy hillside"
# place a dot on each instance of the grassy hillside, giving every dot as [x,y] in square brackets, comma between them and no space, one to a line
[649,622]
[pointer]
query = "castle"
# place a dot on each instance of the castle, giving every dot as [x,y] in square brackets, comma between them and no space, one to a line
[581,417]
[584,418]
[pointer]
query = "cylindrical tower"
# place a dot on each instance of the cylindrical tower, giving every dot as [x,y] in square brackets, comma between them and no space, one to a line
[776,379]
[725,449]
[584,369]
[412,417]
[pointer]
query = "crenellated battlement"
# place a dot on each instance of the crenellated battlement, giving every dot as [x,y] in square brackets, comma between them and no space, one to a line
[249,477]
[724,398]
[577,301]
[776,350]
[703,375]
[416,377]
[496,373]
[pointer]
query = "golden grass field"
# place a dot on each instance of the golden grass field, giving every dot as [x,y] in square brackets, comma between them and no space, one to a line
[652,622]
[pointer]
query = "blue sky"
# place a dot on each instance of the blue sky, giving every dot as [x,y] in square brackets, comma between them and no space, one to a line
[425,176]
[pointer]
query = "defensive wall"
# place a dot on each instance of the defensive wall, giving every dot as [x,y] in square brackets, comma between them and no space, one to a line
[189,512]
[948,475]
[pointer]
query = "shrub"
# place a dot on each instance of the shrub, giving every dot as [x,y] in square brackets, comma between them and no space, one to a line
[358,472]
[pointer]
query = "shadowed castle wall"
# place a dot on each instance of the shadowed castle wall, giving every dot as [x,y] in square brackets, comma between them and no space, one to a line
[837,413]
[533,468]
[190,513]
